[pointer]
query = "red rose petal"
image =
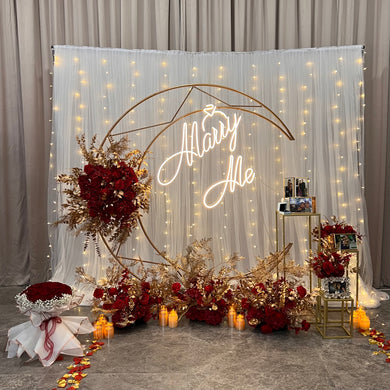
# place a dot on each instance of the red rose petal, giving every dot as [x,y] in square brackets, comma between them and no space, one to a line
[388,360]
[77,360]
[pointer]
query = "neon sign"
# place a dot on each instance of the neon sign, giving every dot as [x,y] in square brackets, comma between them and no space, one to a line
[196,144]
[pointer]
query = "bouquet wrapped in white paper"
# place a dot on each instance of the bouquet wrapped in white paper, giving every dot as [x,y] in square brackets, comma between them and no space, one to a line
[47,334]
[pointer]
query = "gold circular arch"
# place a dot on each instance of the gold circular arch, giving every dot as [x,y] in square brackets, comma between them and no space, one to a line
[277,123]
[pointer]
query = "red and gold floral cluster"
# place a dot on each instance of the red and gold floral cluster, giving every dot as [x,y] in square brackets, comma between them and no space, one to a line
[275,305]
[334,226]
[200,293]
[107,197]
[326,265]
[128,299]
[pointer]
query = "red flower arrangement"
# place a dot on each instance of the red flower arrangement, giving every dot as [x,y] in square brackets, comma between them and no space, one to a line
[130,300]
[274,305]
[335,227]
[330,265]
[109,192]
[108,196]
[203,299]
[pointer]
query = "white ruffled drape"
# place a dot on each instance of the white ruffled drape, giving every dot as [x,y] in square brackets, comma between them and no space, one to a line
[318,94]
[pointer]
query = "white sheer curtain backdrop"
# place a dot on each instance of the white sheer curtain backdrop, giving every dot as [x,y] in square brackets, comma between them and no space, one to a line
[316,92]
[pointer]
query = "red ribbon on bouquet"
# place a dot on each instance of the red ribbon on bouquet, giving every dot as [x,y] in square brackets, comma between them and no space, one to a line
[49,326]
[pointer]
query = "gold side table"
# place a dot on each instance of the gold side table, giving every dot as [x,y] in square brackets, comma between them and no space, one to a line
[309,217]
[335,318]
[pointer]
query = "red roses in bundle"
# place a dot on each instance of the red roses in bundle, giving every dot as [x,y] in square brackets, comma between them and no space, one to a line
[330,265]
[46,291]
[109,192]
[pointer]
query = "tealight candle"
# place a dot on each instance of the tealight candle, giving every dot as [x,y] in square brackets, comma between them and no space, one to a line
[163,316]
[108,330]
[240,322]
[172,319]
[98,332]
[231,317]
[364,323]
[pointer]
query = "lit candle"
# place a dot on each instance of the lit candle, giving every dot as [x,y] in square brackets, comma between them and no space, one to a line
[240,322]
[356,320]
[172,319]
[98,332]
[364,323]
[108,331]
[163,316]
[231,317]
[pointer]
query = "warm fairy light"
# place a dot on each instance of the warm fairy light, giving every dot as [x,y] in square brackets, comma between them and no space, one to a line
[359,61]
[78,118]
[76,59]
[109,86]
[83,81]
[136,74]
[309,63]
[339,83]
[163,63]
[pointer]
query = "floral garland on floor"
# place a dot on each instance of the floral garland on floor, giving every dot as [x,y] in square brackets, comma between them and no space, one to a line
[200,293]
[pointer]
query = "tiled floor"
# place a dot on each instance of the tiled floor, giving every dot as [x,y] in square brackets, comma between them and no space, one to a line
[197,356]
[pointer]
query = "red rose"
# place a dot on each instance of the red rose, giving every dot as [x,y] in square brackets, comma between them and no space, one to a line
[208,288]
[176,287]
[145,286]
[145,299]
[305,325]
[98,293]
[328,268]
[301,291]
[112,291]
[244,303]
[119,304]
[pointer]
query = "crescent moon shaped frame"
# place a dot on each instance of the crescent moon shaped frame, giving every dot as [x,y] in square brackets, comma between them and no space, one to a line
[276,122]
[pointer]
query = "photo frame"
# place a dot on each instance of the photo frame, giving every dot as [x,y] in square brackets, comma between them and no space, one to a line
[336,287]
[289,187]
[346,241]
[301,205]
[301,187]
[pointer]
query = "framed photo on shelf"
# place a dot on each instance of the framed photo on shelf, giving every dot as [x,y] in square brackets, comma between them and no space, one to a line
[301,205]
[301,187]
[336,287]
[345,241]
[289,187]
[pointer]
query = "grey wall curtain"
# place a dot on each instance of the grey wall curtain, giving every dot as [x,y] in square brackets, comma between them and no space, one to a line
[29,27]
